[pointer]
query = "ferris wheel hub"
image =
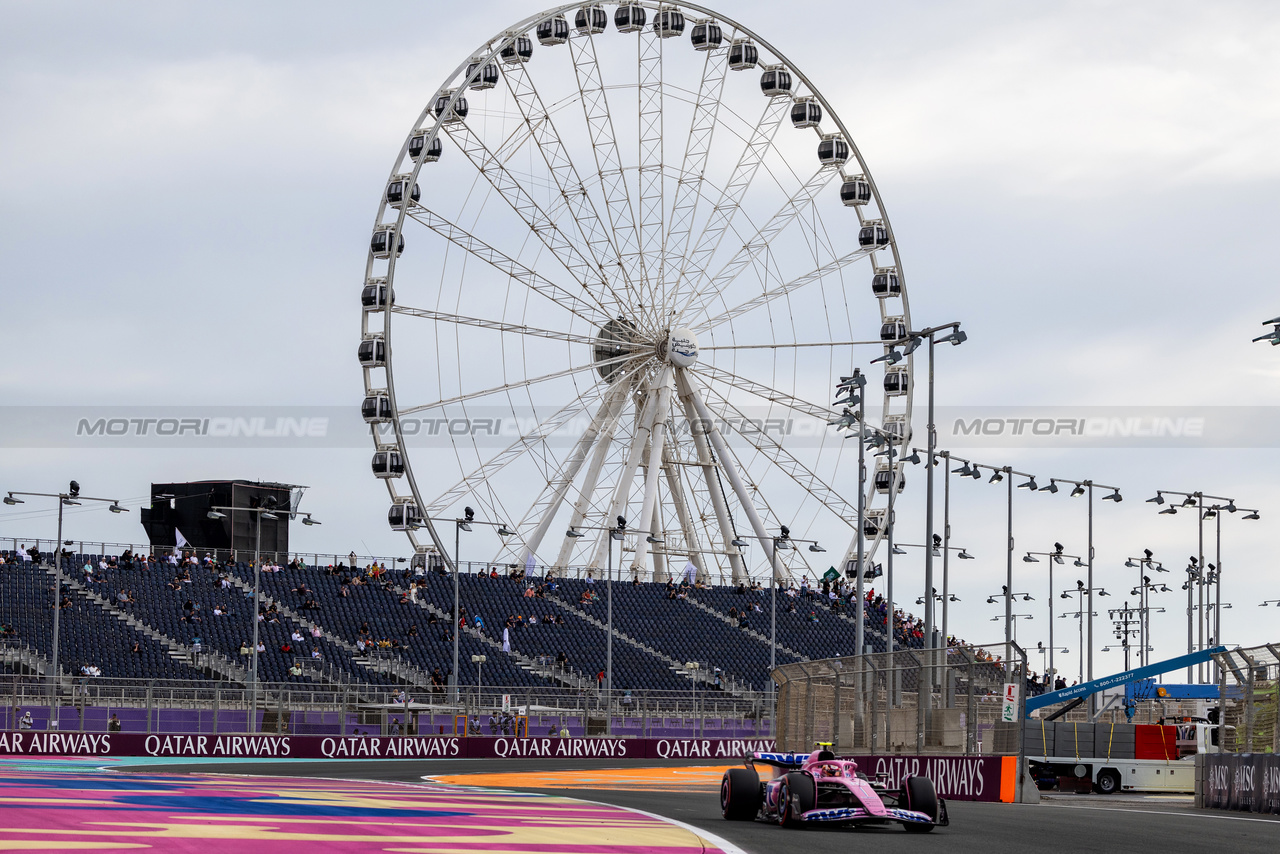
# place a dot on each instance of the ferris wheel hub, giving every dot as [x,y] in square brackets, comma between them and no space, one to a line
[682,348]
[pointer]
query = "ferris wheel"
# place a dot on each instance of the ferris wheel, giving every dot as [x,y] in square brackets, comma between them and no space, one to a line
[615,272]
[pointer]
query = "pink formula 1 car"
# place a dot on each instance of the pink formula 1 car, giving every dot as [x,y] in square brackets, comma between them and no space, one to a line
[818,787]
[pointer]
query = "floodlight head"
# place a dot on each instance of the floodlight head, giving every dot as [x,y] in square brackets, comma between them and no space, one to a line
[1129,563]
[75,489]
[1114,496]
[308,521]
[1079,562]
[963,471]
[814,547]
[214,514]
[468,514]
[1231,507]
[116,508]
[464,526]
[1030,558]
[1051,488]
[898,550]
[1079,584]
[504,531]
[1079,490]
[1058,560]
[1189,501]
[574,533]
[912,345]
[1027,597]
[10,500]
[1253,515]
[1057,548]
[652,539]
[1209,513]
[996,477]
[738,542]
[269,515]
[991,600]
[914,459]
[957,338]
[1159,499]
[1169,511]
[1030,484]
[622,523]
[785,532]
[1065,595]
[964,555]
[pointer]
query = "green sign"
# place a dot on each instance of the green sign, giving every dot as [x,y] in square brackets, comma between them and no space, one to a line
[831,575]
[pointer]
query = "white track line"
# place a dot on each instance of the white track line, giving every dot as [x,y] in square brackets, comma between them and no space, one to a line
[1180,814]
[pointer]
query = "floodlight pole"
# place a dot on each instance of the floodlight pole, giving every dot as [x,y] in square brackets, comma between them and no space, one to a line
[63,498]
[457,610]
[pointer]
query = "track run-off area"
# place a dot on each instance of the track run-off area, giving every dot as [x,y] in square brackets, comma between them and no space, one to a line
[553,805]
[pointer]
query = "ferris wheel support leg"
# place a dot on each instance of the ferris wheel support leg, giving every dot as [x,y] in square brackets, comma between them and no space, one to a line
[618,507]
[738,567]
[657,435]
[735,479]
[676,489]
[660,569]
[606,412]
[603,443]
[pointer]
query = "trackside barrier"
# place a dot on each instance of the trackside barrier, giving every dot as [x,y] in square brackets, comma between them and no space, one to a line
[1248,782]
[964,778]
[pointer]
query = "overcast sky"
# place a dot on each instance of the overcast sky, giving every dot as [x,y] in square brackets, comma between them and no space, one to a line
[186,191]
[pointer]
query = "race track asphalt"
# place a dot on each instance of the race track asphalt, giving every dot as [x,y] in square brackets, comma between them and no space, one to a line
[1083,823]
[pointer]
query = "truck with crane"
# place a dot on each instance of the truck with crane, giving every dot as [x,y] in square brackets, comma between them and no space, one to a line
[1108,758]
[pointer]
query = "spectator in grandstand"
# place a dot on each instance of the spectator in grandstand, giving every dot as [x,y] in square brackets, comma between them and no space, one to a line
[113,725]
[136,649]
[244,648]
[262,647]
[562,660]
[295,670]
[564,730]
[493,725]
[25,722]
[296,637]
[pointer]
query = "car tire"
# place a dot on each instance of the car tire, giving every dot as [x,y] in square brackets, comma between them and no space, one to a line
[921,797]
[740,794]
[1108,783]
[795,786]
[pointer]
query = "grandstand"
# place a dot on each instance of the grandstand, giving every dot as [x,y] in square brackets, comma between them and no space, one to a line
[379,627]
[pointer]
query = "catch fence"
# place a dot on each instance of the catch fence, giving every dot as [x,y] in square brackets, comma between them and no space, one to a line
[871,704]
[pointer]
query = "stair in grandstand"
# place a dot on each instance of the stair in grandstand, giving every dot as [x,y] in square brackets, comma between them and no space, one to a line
[385,665]
[678,667]
[565,676]
[209,661]
[748,631]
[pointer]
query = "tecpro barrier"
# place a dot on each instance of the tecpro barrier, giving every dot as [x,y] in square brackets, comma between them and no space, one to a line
[1248,782]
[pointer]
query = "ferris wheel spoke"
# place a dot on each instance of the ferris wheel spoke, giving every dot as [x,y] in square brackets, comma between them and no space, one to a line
[520,384]
[782,290]
[494,325]
[593,312]
[794,207]
[477,477]
[652,180]
[771,448]
[608,160]
[548,503]
[562,247]
[690,180]
[570,189]
[726,209]
[764,392]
